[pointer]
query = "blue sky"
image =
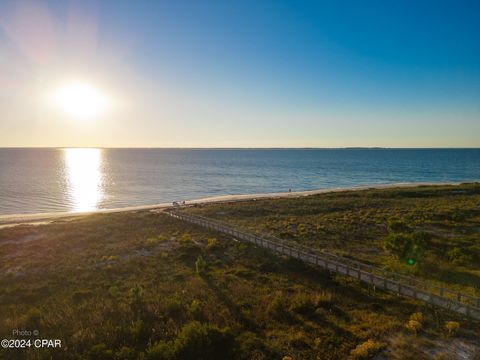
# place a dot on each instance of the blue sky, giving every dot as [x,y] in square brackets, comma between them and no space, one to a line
[247,73]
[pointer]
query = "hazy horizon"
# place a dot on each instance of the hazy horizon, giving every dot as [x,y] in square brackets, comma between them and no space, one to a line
[244,148]
[273,74]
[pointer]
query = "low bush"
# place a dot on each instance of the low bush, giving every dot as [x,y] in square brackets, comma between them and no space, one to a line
[205,339]
[100,352]
[278,307]
[33,319]
[136,299]
[458,257]
[302,304]
[174,307]
[161,350]
[452,327]
[404,246]
[365,350]
[126,353]
[414,326]
[212,243]
[415,323]
[397,225]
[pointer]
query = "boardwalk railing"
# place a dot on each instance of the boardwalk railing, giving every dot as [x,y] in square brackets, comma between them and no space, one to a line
[386,280]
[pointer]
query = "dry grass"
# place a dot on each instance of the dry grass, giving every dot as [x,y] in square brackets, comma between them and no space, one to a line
[125,285]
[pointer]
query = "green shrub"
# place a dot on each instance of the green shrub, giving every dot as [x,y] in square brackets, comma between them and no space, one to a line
[81,295]
[160,350]
[100,352]
[324,299]
[136,298]
[415,323]
[458,257]
[33,319]
[188,251]
[410,247]
[186,237]
[205,339]
[302,304]
[452,327]
[418,316]
[114,291]
[413,326]
[195,309]
[397,225]
[138,331]
[212,243]
[396,244]
[200,265]
[278,306]
[126,353]
[459,216]
[174,307]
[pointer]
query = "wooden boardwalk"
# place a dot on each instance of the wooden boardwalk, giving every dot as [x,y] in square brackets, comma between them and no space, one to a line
[388,281]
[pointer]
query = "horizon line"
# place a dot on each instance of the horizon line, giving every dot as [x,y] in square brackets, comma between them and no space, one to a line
[245,148]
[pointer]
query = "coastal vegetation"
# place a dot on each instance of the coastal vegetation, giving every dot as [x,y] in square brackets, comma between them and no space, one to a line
[142,285]
[431,232]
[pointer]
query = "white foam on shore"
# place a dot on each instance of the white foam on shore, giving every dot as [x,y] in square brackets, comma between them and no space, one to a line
[16,219]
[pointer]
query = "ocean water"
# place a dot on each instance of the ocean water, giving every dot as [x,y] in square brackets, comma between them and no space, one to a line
[50,180]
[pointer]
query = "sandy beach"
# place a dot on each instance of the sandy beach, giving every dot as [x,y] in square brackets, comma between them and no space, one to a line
[41,218]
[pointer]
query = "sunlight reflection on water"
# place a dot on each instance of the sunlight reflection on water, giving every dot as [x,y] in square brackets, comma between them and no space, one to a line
[84,176]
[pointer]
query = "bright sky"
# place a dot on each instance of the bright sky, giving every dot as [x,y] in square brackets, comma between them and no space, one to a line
[240,73]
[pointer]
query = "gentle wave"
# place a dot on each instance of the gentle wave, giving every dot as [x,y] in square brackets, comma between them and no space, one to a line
[78,180]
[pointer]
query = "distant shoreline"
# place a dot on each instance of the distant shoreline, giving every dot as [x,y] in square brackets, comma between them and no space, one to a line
[39,218]
[243,148]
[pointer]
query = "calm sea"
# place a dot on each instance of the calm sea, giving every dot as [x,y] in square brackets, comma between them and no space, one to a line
[48,180]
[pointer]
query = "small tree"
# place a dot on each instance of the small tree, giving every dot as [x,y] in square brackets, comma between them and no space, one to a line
[212,243]
[413,326]
[200,265]
[397,244]
[136,298]
[415,323]
[409,247]
[418,316]
[278,307]
[452,327]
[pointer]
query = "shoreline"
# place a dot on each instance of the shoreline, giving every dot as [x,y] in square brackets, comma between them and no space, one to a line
[42,218]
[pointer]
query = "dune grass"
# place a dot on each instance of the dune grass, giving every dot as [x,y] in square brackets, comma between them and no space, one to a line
[362,224]
[143,285]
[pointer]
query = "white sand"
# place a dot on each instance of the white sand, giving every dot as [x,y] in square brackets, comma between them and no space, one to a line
[41,218]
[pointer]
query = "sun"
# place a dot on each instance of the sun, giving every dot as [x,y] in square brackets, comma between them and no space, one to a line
[80,100]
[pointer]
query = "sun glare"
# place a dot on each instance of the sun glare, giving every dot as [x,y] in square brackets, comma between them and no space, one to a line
[84,175]
[80,100]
